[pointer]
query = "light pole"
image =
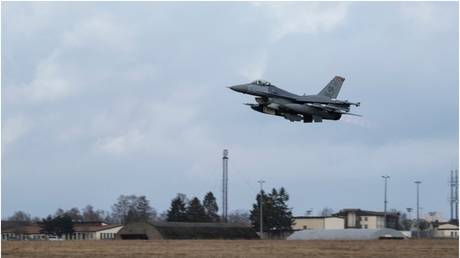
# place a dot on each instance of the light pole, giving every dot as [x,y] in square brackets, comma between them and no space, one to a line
[261,182]
[418,200]
[385,202]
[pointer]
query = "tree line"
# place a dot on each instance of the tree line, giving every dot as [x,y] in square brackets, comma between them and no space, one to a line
[133,208]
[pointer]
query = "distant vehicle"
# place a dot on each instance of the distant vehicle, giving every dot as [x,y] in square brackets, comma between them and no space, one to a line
[275,101]
[54,238]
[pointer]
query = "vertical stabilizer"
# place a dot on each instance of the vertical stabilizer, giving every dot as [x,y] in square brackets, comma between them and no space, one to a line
[332,88]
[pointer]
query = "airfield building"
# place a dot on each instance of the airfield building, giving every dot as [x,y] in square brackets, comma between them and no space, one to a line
[93,231]
[347,234]
[357,218]
[318,222]
[16,230]
[20,230]
[445,229]
[185,230]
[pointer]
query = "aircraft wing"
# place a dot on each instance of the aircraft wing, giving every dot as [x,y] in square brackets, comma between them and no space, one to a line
[337,109]
[330,107]
[312,100]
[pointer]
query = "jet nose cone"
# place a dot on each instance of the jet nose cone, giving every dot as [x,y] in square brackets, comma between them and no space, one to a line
[240,88]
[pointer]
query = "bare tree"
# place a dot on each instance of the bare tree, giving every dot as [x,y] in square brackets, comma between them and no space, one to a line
[59,212]
[239,217]
[74,214]
[20,216]
[132,208]
[89,214]
[326,211]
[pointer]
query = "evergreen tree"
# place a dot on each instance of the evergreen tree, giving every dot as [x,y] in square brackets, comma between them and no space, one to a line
[283,214]
[74,214]
[177,212]
[144,212]
[47,225]
[210,207]
[277,216]
[254,215]
[59,225]
[196,211]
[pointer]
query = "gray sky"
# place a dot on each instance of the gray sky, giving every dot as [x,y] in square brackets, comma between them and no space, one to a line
[103,99]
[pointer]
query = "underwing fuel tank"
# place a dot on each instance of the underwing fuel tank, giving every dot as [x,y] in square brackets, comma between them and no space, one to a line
[264,109]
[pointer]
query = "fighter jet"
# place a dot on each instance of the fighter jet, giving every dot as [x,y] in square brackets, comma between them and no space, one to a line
[307,108]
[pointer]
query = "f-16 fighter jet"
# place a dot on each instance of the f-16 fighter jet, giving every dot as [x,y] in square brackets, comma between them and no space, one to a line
[307,108]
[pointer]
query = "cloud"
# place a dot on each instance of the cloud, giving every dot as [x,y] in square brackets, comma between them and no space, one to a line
[14,128]
[140,87]
[154,126]
[427,16]
[78,62]
[100,32]
[255,67]
[294,18]
[120,144]
[48,84]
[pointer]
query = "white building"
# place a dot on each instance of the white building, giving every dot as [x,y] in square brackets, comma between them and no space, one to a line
[445,230]
[318,222]
[82,231]
[93,231]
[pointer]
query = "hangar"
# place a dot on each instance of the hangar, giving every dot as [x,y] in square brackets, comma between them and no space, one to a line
[185,230]
[347,234]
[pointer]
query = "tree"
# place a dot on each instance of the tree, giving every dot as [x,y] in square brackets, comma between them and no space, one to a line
[177,212]
[210,207]
[89,214]
[326,211]
[47,225]
[143,209]
[277,216]
[121,208]
[59,212]
[59,225]
[282,213]
[195,211]
[130,208]
[239,217]
[267,207]
[74,214]
[20,216]
[404,222]
[422,224]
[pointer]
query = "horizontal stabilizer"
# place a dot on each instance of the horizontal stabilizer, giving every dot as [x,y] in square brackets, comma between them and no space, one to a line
[351,114]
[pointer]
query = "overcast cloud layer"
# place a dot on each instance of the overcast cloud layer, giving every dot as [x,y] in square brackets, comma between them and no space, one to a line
[103,99]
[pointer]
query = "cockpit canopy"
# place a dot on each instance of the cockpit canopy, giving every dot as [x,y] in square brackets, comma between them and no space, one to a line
[261,83]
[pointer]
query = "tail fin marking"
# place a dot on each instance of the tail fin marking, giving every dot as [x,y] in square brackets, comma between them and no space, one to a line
[332,89]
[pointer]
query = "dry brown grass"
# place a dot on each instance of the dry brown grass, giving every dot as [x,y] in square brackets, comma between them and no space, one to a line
[232,248]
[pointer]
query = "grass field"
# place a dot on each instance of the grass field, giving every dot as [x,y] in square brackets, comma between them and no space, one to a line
[232,248]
